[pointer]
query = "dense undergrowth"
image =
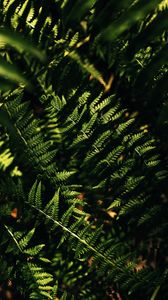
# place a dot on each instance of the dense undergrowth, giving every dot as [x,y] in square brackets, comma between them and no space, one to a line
[83,149]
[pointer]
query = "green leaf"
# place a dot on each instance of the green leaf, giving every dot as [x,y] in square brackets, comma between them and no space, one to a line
[78,9]
[44,281]
[47,295]
[147,73]
[11,72]
[136,13]
[38,201]
[34,250]
[150,33]
[32,193]
[64,296]
[154,295]
[21,44]
[5,85]
[46,260]
[25,240]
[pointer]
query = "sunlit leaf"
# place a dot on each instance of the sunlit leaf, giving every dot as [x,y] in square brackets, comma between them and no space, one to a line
[19,43]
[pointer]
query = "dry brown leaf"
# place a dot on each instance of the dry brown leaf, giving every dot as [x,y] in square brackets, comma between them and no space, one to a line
[81,196]
[112,213]
[141,265]
[90,261]
[108,85]
[14,213]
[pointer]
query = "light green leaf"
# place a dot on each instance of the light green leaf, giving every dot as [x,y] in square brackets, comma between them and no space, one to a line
[154,295]
[10,72]
[16,41]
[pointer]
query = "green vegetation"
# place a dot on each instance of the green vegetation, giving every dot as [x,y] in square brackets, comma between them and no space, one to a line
[83,149]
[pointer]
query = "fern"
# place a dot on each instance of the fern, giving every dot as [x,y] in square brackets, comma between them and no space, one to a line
[83,149]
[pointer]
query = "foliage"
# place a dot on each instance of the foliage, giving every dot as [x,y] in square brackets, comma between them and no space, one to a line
[83,152]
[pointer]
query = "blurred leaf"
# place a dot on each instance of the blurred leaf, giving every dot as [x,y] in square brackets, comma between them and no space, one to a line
[18,42]
[111,213]
[5,85]
[78,9]
[163,116]
[154,29]
[6,122]
[154,295]
[104,11]
[11,72]
[147,74]
[136,13]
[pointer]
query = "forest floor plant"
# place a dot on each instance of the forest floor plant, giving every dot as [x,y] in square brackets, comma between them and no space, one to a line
[83,149]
